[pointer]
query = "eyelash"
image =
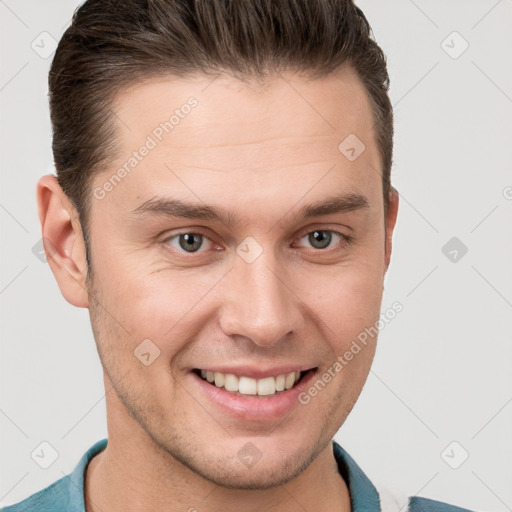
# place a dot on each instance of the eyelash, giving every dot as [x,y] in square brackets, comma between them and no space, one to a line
[344,240]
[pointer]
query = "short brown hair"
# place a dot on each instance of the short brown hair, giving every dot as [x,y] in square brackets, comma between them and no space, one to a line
[114,43]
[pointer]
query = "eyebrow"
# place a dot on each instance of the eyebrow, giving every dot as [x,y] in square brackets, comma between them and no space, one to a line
[169,207]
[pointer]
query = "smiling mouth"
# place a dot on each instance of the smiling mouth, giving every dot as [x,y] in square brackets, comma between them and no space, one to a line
[247,386]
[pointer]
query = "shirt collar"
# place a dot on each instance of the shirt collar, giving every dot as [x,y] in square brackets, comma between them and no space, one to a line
[363,495]
[76,480]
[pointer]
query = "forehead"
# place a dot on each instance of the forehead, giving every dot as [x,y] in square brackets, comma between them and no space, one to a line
[286,104]
[205,133]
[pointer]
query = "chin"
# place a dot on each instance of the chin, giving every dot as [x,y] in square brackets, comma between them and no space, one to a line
[263,475]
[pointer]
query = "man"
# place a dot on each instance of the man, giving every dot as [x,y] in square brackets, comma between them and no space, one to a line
[223,208]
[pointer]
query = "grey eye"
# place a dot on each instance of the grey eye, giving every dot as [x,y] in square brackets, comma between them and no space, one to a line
[320,239]
[190,242]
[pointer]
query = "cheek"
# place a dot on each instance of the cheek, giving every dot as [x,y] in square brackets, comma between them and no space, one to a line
[348,307]
[164,306]
[346,299]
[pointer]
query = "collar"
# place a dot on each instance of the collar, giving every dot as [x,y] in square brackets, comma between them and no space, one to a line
[363,495]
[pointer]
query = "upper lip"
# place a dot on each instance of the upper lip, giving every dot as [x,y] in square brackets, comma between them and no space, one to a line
[258,373]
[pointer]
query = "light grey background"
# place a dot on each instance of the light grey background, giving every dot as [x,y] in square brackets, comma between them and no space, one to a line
[443,368]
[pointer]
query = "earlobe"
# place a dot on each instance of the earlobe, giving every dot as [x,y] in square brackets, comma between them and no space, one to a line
[63,240]
[390,224]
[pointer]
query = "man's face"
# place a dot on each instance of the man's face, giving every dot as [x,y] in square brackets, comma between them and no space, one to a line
[261,291]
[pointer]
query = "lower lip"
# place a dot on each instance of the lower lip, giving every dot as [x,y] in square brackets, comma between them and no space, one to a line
[254,407]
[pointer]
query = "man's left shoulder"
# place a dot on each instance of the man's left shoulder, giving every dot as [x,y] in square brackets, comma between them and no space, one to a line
[418,504]
[398,502]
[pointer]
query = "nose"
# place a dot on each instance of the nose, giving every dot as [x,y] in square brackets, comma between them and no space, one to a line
[258,302]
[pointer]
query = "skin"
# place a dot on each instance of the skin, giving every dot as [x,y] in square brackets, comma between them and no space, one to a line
[261,151]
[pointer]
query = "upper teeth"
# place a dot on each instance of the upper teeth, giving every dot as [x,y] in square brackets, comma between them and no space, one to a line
[248,386]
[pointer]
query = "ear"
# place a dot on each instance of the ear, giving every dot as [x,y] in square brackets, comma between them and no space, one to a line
[390,224]
[63,240]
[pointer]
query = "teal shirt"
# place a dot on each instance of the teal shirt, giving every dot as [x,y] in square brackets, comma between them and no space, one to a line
[67,493]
